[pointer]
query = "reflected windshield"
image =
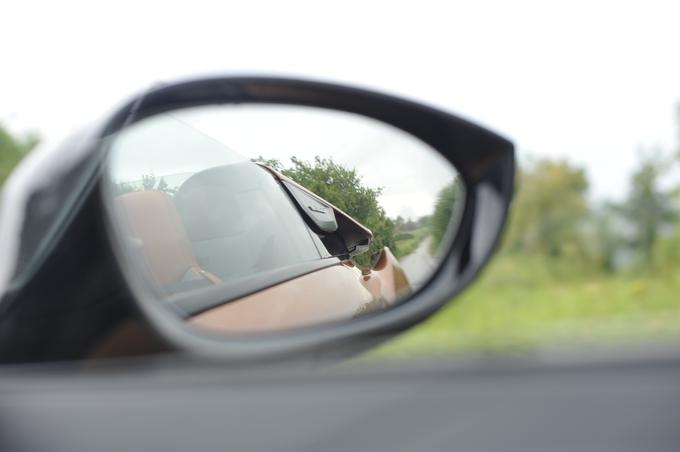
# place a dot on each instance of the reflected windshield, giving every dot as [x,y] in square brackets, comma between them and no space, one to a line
[199,213]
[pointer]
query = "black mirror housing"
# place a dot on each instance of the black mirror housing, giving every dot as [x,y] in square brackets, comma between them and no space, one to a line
[64,293]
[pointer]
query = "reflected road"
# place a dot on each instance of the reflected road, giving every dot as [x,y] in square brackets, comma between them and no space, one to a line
[419,265]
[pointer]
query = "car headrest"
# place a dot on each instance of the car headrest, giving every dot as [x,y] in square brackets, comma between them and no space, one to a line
[151,218]
[208,201]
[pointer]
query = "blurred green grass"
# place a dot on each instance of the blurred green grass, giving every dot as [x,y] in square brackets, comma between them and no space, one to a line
[521,303]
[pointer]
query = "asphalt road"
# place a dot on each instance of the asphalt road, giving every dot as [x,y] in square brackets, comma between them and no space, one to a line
[592,403]
[419,265]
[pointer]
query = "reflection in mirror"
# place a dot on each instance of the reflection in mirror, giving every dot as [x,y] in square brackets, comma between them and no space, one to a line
[260,218]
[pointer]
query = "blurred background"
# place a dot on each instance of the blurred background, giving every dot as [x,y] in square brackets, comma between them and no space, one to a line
[589,92]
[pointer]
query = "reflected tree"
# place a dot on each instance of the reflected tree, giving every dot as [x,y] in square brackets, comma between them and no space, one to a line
[344,188]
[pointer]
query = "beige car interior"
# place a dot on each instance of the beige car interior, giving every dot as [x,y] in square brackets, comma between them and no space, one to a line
[159,235]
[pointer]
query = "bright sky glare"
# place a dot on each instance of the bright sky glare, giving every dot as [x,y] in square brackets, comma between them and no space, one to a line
[588,81]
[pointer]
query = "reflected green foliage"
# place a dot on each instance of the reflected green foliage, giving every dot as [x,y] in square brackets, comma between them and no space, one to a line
[449,200]
[13,149]
[410,234]
[407,242]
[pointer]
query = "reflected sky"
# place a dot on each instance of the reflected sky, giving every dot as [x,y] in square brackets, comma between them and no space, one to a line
[409,171]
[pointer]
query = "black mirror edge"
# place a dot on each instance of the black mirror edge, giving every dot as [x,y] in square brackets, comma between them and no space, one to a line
[486,166]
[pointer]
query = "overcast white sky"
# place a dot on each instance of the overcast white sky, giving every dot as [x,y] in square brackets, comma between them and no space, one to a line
[409,173]
[589,81]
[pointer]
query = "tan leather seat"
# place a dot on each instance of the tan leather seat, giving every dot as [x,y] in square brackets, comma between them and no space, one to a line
[151,218]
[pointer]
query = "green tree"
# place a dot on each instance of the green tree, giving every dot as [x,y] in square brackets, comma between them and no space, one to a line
[549,210]
[148,181]
[605,237]
[344,188]
[677,130]
[13,149]
[274,163]
[648,208]
[667,250]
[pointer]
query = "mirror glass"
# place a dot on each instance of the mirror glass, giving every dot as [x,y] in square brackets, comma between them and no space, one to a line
[262,218]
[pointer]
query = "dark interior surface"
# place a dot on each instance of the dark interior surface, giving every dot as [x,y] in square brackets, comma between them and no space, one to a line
[588,405]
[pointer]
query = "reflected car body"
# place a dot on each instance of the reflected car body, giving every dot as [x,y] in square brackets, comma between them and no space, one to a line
[340,291]
[230,277]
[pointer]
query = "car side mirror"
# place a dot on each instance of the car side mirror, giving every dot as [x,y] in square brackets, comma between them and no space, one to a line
[250,218]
